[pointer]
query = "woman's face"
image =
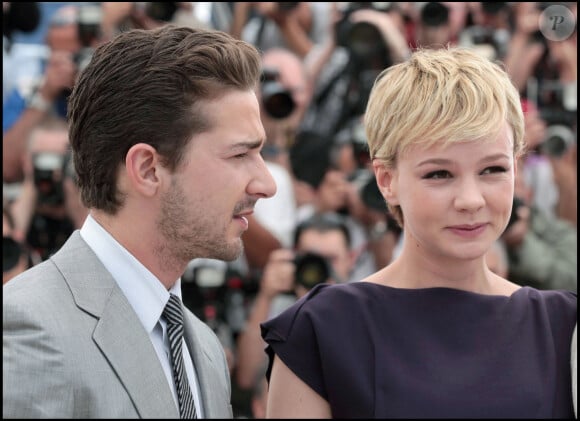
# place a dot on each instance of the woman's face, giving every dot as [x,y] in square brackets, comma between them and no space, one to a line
[456,200]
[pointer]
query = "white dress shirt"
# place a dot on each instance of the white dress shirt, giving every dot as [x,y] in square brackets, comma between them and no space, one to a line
[146,294]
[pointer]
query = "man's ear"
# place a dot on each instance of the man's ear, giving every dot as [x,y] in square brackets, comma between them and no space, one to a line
[142,165]
[386,181]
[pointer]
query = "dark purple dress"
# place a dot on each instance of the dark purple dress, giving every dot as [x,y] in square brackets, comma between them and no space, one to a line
[380,352]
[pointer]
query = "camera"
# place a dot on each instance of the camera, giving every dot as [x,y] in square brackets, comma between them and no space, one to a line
[311,269]
[48,177]
[89,20]
[211,287]
[368,52]
[559,138]
[276,99]
[204,281]
[361,38]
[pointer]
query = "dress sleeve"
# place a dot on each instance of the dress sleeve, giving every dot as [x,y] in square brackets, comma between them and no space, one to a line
[293,337]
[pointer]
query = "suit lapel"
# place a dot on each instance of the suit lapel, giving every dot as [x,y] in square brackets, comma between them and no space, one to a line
[122,339]
[119,333]
[205,367]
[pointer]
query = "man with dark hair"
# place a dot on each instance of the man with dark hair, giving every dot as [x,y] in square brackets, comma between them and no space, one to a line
[166,137]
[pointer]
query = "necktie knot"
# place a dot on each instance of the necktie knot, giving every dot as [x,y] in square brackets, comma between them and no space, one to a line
[173,312]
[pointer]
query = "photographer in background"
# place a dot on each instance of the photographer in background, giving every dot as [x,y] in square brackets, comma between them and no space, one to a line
[331,175]
[322,253]
[47,209]
[545,72]
[73,32]
[542,250]
[297,26]
[540,240]
[283,94]
[368,206]
[550,167]
[363,39]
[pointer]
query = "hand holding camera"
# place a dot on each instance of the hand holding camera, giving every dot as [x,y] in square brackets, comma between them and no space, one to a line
[286,270]
[278,275]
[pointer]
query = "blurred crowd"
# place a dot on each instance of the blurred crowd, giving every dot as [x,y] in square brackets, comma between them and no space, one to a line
[327,221]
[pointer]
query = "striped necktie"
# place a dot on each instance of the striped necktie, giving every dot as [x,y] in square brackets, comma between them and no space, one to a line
[173,313]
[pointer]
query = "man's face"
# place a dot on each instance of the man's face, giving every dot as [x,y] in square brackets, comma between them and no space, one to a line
[222,176]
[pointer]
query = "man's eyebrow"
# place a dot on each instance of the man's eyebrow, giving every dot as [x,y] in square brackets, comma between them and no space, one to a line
[247,145]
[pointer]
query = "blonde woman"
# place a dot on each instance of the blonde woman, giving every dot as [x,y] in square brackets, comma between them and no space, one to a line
[435,334]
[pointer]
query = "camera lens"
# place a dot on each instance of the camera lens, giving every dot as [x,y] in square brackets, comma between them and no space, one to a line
[89,23]
[276,99]
[278,102]
[558,139]
[311,270]
[48,168]
[554,146]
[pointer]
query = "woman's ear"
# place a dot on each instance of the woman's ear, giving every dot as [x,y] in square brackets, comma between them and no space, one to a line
[386,181]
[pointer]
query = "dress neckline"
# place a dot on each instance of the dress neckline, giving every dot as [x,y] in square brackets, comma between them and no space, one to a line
[441,288]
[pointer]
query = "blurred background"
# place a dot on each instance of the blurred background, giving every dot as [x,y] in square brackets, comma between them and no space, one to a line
[328,221]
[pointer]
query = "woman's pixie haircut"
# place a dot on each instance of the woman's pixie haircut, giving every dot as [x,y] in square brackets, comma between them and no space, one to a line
[440,96]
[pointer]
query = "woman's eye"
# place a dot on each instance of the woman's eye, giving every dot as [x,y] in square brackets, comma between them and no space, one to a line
[495,169]
[437,174]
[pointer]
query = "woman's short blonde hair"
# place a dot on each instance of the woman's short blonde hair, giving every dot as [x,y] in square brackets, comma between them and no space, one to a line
[440,95]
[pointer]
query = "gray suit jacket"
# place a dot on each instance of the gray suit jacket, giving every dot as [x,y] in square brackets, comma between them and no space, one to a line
[74,348]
